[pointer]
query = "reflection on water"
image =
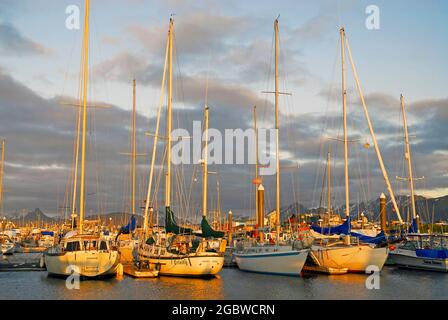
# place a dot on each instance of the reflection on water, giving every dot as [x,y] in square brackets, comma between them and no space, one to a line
[196,289]
[231,284]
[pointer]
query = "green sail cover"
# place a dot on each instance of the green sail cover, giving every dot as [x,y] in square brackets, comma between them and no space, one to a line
[171,225]
[208,232]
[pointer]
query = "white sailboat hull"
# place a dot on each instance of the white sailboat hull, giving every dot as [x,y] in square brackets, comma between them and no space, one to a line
[196,265]
[90,264]
[8,248]
[408,259]
[353,258]
[46,243]
[285,261]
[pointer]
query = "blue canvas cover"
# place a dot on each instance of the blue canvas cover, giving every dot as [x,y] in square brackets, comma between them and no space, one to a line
[130,226]
[343,228]
[413,228]
[432,253]
[378,239]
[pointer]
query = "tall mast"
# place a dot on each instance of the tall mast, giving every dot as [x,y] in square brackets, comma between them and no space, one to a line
[76,163]
[407,155]
[344,110]
[218,190]
[169,121]
[77,143]
[134,147]
[204,164]
[277,159]
[372,133]
[2,168]
[256,162]
[85,70]
[156,136]
[329,183]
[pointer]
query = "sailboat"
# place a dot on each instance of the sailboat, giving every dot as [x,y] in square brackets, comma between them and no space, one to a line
[2,172]
[418,251]
[86,254]
[207,230]
[330,255]
[178,251]
[7,245]
[125,240]
[278,259]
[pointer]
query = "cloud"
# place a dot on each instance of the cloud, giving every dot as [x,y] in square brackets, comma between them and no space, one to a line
[316,29]
[122,67]
[208,41]
[190,88]
[112,41]
[40,132]
[190,35]
[13,42]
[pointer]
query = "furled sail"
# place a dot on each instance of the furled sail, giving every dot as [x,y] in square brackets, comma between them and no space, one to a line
[413,228]
[344,228]
[129,227]
[378,239]
[208,232]
[171,225]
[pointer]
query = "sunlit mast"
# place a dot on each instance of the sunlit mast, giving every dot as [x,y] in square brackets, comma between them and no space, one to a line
[407,156]
[372,133]
[344,108]
[85,78]
[256,179]
[277,159]
[148,204]
[2,171]
[134,147]
[329,184]
[76,162]
[169,121]
[204,164]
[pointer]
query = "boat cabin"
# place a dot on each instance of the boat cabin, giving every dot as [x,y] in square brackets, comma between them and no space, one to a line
[85,243]
[426,241]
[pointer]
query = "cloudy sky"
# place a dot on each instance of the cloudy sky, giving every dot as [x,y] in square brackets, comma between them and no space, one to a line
[227,44]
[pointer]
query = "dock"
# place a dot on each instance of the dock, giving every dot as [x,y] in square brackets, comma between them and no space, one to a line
[31,250]
[13,267]
[142,272]
[229,261]
[324,270]
[21,262]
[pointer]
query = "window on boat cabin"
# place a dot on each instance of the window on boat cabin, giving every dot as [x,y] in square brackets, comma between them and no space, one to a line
[409,245]
[103,245]
[73,246]
[90,245]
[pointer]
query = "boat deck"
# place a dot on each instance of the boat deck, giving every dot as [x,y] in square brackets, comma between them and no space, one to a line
[20,262]
[325,270]
[135,272]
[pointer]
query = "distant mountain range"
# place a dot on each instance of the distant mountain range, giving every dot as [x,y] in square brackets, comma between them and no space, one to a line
[37,215]
[33,216]
[429,209]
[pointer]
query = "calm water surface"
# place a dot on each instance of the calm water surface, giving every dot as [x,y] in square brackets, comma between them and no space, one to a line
[229,284]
